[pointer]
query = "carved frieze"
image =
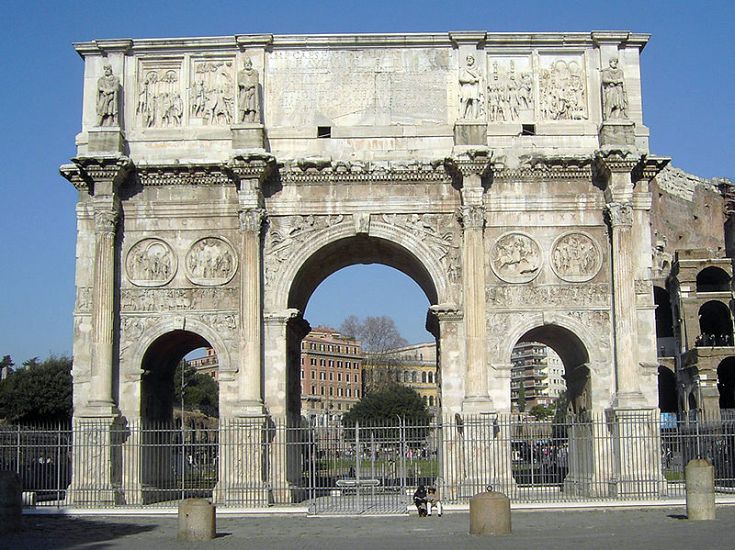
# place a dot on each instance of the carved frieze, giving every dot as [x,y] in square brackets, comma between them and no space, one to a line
[177,299]
[562,88]
[286,233]
[438,232]
[211,261]
[324,170]
[183,174]
[150,262]
[576,257]
[212,92]
[160,101]
[516,258]
[510,90]
[512,296]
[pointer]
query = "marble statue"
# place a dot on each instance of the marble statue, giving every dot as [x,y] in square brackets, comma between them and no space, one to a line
[108,91]
[247,83]
[469,93]
[614,100]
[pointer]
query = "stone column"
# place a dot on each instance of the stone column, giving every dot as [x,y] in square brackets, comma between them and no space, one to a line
[250,383]
[106,214]
[616,167]
[250,172]
[477,398]
[96,468]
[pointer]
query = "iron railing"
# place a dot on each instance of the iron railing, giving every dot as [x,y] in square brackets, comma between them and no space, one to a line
[333,468]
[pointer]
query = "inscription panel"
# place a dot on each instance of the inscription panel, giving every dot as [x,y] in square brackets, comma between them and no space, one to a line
[358,88]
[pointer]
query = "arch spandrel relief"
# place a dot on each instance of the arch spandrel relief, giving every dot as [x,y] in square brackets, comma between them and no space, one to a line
[211,261]
[150,262]
[516,258]
[576,257]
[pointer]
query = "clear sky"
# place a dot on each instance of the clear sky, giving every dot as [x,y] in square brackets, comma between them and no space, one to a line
[688,79]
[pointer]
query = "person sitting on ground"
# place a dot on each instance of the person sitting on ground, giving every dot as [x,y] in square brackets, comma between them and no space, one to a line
[419,499]
[432,501]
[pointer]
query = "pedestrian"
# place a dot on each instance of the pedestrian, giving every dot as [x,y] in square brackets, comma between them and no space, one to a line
[420,499]
[432,501]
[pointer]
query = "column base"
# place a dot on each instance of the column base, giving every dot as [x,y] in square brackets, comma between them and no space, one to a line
[249,409]
[470,133]
[255,495]
[248,136]
[629,400]
[105,140]
[99,410]
[616,133]
[477,405]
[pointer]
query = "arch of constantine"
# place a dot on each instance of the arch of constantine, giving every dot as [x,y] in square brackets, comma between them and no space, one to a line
[222,179]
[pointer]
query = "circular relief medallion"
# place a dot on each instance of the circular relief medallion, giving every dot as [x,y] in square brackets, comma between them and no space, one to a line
[576,257]
[516,258]
[150,262]
[211,261]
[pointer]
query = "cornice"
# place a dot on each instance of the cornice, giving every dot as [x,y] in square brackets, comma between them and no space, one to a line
[155,175]
[545,169]
[475,161]
[325,171]
[494,40]
[86,172]
[649,167]
[256,165]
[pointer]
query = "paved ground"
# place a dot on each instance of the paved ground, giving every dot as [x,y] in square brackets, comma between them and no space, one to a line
[649,528]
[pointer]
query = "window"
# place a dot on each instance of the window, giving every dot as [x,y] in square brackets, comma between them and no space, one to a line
[313,389]
[322,376]
[423,377]
[331,391]
[339,364]
[313,375]
[321,390]
[302,374]
[331,363]
[339,377]
[413,377]
[349,392]
[331,376]
[313,361]
[357,393]
[431,377]
[339,392]
[355,379]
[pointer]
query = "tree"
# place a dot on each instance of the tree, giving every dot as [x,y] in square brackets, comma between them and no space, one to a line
[201,392]
[38,391]
[383,407]
[542,412]
[378,336]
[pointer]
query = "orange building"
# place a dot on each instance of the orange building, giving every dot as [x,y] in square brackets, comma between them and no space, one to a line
[331,372]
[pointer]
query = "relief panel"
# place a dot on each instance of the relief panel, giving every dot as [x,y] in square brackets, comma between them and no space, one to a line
[212,92]
[150,262]
[510,90]
[160,94]
[562,87]
[516,258]
[576,257]
[211,261]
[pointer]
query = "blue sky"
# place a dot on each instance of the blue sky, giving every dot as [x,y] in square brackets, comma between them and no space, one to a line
[687,70]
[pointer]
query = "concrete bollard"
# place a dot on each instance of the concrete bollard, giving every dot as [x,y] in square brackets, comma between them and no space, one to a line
[197,519]
[490,514]
[10,502]
[700,483]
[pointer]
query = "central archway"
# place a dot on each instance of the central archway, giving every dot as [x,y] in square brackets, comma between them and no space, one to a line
[327,260]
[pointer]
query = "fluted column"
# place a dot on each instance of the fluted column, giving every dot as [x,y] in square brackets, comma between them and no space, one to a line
[473,220]
[106,214]
[616,167]
[249,389]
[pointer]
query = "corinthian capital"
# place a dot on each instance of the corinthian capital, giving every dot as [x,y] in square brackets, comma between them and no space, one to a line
[619,214]
[473,216]
[251,219]
[105,221]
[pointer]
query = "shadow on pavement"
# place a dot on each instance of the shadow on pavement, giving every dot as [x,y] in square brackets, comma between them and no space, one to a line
[68,532]
[678,516]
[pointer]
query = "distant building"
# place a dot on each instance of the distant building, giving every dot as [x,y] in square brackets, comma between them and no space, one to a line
[331,372]
[414,366]
[207,364]
[539,371]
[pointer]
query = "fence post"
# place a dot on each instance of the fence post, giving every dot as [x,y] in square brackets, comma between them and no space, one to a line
[10,502]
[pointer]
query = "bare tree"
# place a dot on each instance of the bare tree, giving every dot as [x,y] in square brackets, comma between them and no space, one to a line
[379,336]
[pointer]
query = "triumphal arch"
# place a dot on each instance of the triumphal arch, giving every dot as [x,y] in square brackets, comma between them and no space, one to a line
[222,179]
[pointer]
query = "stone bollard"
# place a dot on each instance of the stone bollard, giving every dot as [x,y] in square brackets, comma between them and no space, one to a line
[700,483]
[10,502]
[196,519]
[490,514]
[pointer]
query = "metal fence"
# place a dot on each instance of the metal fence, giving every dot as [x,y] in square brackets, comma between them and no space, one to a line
[362,469]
